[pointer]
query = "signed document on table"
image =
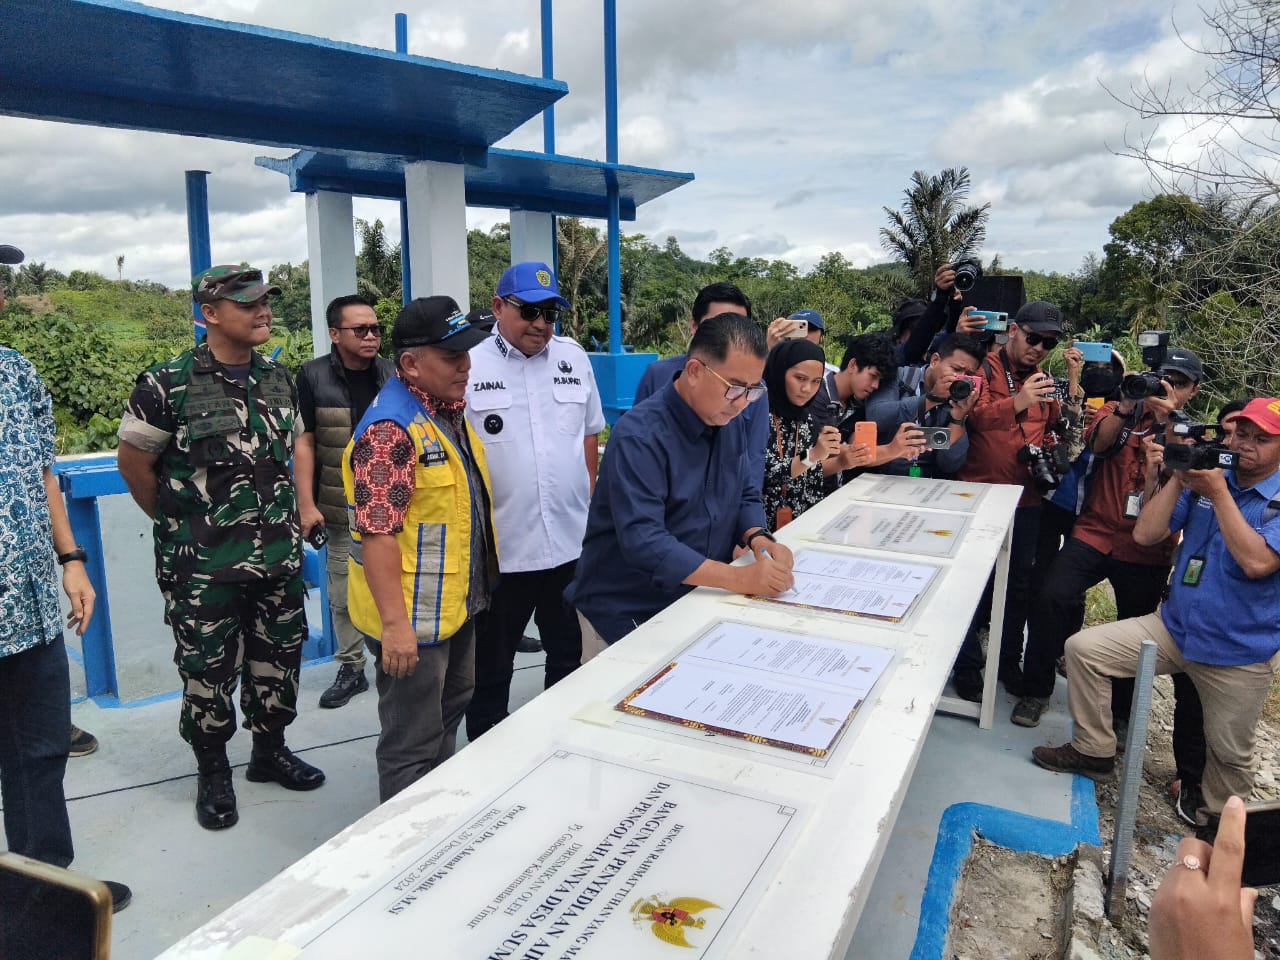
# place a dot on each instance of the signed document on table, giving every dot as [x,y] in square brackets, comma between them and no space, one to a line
[768,686]
[856,586]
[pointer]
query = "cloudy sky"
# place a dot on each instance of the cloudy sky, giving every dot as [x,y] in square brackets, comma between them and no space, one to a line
[800,120]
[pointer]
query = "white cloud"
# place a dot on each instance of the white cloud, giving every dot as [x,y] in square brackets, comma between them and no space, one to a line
[801,123]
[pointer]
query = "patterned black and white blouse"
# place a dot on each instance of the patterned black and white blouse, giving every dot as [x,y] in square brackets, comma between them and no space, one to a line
[788,439]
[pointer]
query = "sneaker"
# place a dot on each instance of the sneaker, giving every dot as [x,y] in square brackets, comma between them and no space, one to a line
[120,895]
[1188,802]
[1028,710]
[968,683]
[83,743]
[529,644]
[1067,759]
[1010,677]
[349,681]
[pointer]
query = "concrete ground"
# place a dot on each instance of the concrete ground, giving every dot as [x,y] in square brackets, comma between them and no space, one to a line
[132,817]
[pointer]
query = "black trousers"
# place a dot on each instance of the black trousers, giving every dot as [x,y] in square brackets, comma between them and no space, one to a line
[517,597]
[1026,529]
[1055,531]
[1138,588]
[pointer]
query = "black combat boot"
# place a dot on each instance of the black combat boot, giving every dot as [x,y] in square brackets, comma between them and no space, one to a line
[272,760]
[215,796]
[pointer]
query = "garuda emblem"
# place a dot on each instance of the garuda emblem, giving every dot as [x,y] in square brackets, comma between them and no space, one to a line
[669,919]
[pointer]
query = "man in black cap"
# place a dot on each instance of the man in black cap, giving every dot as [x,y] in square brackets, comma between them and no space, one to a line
[1016,414]
[35,712]
[423,553]
[205,445]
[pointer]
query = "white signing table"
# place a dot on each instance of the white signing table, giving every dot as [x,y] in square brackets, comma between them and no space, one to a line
[577,830]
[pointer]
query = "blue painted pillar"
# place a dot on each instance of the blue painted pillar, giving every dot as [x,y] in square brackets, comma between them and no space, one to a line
[611,155]
[81,485]
[549,120]
[406,272]
[199,248]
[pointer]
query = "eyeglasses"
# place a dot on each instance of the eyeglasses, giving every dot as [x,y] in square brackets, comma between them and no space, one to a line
[736,391]
[532,311]
[1037,339]
[365,331]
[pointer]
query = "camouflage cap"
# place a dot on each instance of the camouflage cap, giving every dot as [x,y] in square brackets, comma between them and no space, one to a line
[231,282]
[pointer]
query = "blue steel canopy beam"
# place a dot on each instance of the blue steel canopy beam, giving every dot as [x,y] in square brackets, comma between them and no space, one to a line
[120,64]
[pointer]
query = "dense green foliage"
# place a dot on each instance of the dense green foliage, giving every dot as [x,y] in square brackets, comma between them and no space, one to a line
[1172,262]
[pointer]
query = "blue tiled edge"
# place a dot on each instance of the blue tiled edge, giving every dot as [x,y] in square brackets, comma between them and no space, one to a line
[1017,831]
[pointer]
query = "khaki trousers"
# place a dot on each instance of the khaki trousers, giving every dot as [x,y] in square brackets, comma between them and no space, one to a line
[1233,698]
[592,643]
[350,641]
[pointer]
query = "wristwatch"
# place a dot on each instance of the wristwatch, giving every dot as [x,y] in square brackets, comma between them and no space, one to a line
[807,463]
[951,420]
[759,533]
[76,554]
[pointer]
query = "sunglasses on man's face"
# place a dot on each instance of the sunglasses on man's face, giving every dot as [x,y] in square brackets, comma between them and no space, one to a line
[532,311]
[1039,339]
[364,331]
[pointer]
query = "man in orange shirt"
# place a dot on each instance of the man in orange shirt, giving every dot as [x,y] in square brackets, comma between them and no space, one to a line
[1011,433]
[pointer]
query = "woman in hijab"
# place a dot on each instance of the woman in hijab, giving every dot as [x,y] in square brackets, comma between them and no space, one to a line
[798,454]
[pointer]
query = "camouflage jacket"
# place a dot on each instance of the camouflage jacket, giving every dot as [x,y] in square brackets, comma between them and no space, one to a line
[227,508]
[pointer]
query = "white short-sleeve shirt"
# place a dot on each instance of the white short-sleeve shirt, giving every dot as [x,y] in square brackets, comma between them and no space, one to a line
[533,414]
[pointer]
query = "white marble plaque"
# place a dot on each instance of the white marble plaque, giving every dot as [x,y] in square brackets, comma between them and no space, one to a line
[581,857]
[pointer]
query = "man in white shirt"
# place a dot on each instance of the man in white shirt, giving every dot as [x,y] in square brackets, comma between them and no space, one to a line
[532,399]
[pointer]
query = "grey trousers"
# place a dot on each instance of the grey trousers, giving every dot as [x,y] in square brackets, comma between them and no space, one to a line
[419,714]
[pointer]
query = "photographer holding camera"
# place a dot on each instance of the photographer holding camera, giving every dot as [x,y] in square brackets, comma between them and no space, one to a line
[1101,544]
[939,405]
[1218,624]
[918,327]
[1011,440]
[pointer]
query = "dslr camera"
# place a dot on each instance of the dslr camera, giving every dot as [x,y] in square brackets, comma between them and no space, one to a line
[1139,386]
[968,270]
[1040,463]
[963,387]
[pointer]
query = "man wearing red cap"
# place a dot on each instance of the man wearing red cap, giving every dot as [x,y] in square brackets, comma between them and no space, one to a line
[1218,625]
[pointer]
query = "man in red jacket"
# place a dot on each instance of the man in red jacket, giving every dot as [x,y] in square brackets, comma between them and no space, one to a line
[1011,432]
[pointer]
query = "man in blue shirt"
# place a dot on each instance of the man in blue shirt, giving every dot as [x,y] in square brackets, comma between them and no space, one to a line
[676,496]
[1218,625]
[35,538]
[714,300]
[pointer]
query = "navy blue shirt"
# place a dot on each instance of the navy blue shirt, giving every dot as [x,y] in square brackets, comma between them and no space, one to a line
[1228,619]
[754,419]
[889,409]
[672,493]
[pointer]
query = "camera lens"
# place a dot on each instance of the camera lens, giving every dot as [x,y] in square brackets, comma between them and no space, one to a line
[960,390]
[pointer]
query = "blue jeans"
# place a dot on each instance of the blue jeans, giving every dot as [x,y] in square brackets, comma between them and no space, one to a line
[35,735]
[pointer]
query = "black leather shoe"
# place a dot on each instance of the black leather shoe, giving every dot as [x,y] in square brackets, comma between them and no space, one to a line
[968,684]
[277,763]
[216,799]
[121,896]
[349,681]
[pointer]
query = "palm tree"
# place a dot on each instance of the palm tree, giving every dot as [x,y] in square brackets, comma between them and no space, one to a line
[933,225]
[120,267]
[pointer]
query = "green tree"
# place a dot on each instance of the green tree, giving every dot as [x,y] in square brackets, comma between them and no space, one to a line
[933,225]
[377,262]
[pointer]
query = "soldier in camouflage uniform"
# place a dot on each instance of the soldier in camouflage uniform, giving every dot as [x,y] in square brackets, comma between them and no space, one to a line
[205,445]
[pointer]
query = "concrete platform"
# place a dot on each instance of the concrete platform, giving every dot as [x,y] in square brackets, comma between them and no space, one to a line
[132,817]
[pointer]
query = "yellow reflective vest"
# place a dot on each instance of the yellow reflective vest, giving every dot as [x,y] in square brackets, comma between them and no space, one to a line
[435,544]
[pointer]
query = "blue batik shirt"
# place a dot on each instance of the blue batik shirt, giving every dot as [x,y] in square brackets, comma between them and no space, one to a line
[30,612]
